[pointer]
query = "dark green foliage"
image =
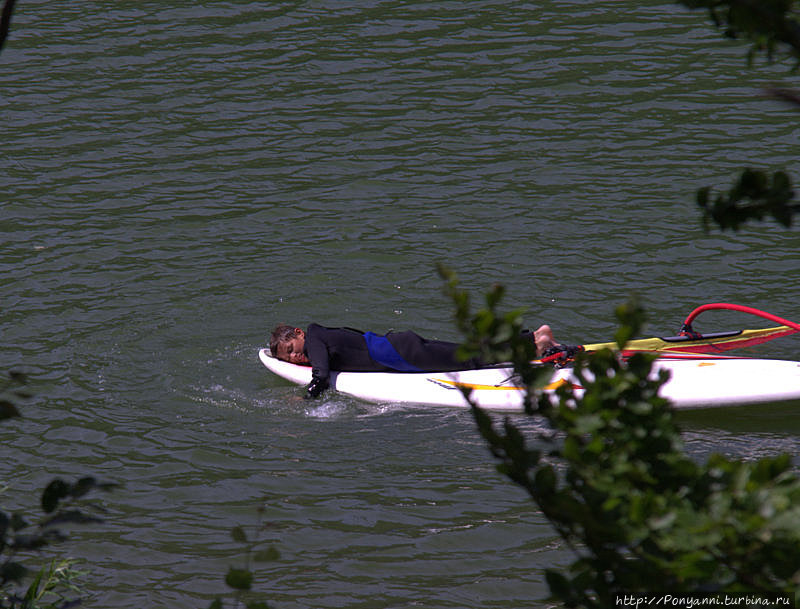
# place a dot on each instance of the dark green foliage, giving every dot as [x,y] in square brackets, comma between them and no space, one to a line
[11,391]
[19,535]
[240,579]
[613,479]
[766,23]
[61,504]
[488,336]
[5,20]
[772,26]
[755,196]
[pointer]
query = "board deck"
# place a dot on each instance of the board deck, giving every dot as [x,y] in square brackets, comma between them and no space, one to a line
[695,382]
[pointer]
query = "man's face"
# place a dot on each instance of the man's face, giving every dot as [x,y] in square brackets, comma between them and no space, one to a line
[291,350]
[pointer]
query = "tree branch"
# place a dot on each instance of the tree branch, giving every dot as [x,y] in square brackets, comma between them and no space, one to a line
[5,20]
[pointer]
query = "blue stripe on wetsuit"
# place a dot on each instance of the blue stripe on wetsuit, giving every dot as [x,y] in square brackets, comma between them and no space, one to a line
[382,351]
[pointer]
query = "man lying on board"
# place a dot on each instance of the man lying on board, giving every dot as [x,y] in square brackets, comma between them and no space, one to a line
[348,350]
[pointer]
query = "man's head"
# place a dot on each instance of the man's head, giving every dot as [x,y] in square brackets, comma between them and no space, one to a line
[287,343]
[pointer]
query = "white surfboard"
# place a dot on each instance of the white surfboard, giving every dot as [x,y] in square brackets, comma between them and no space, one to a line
[694,383]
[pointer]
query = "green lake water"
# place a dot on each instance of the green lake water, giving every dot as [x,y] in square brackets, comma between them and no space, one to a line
[178,177]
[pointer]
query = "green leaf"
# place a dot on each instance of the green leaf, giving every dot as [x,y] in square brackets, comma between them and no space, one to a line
[239,579]
[494,297]
[631,318]
[83,486]
[216,604]
[18,377]
[8,410]
[238,534]
[545,480]
[12,571]
[33,589]
[560,587]
[55,492]
[18,522]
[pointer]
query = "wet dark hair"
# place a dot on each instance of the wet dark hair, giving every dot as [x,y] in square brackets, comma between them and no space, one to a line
[280,333]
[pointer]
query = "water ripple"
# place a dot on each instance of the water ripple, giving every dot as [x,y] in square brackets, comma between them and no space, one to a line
[178,177]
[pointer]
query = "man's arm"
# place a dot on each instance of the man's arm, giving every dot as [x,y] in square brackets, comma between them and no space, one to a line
[317,350]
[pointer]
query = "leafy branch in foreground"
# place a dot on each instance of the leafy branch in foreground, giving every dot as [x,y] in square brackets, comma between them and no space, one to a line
[5,20]
[772,26]
[62,503]
[613,479]
[765,23]
[240,579]
[11,391]
[754,196]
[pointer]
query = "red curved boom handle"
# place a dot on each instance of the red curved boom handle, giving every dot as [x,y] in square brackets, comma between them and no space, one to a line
[743,309]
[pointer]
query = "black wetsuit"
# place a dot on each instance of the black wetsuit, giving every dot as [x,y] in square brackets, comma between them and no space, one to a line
[345,350]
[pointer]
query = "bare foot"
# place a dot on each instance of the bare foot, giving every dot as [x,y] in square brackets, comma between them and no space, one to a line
[543,337]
